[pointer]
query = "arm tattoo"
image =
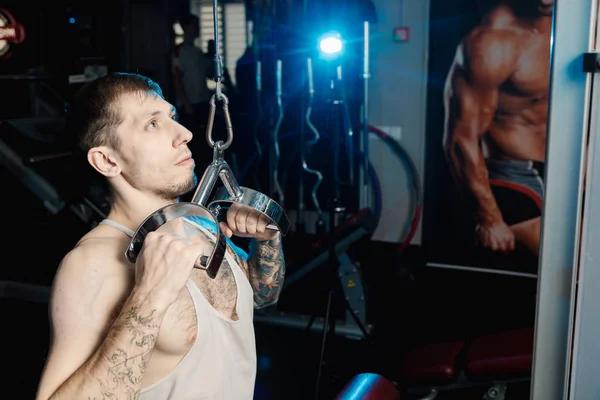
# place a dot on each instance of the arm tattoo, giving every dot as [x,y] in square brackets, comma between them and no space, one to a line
[266,270]
[127,364]
[265,267]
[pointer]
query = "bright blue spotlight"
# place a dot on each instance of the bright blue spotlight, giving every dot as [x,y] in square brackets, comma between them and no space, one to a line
[331,44]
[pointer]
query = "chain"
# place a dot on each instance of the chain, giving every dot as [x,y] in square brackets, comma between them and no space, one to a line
[219,95]
[218,62]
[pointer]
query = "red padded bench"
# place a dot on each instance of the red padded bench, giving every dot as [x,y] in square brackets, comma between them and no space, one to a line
[500,355]
[369,387]
[435,364]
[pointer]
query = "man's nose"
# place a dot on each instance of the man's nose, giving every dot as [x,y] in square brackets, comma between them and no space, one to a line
[182,136]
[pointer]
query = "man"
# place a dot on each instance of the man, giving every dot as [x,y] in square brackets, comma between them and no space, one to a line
[190,71]
[158,329]
[496,102]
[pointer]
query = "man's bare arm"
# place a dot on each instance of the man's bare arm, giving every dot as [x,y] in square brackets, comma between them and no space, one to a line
[90,357]
[266,271]
[117,368]
[265,266]
[483,62]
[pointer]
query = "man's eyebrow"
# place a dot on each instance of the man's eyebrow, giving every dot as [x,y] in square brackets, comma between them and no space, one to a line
[152,114]
[158,112]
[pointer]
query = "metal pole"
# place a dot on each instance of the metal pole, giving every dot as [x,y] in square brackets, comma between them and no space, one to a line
[562,212]
[364,145]
[586,325]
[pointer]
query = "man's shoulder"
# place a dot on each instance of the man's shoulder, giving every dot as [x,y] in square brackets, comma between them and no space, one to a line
[486,37]
[96,257]
[501,17]
[90,283]
[498,26]
[491,46]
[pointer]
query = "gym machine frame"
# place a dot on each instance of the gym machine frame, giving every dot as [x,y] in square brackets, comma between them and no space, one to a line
[566,355]
[583,323]
[23,167]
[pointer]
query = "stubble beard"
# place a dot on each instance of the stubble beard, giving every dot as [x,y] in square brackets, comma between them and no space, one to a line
[179,189]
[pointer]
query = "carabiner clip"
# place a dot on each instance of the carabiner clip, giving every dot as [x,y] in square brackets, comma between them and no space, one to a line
[218,153]
[211,120]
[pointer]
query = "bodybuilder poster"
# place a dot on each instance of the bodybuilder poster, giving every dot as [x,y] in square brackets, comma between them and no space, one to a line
[486,135]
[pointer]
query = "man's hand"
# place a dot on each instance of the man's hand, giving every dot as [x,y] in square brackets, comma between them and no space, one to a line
[244,221]
[496,237]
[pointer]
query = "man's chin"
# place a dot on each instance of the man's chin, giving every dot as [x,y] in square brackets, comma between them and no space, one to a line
[546,10]
[189,187]
[193,183]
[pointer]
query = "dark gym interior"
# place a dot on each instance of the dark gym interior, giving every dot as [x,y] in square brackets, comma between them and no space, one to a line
[443,314]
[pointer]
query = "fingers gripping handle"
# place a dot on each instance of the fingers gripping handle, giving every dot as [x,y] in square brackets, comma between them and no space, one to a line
[278,220]
[218,169]
[171,212]
[231,192]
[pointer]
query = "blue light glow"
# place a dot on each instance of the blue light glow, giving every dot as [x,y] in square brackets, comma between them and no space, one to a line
[331,44]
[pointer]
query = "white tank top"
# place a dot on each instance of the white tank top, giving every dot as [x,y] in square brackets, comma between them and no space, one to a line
[221,364]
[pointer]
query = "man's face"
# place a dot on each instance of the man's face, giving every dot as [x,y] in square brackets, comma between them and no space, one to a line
[154,154]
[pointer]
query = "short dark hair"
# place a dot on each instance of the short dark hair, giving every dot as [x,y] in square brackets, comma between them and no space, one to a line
[92,116]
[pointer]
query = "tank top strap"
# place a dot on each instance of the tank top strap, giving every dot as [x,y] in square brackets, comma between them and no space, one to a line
[118,226]
[209,228]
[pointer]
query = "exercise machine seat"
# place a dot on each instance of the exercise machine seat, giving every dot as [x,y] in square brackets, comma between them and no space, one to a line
[369,386]
[434,364]
[500,354]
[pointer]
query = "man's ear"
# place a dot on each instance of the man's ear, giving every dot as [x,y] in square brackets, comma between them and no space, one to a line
[103,161]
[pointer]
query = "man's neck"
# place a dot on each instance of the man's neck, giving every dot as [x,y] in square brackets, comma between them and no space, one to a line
[541,24]
[133,210]
[531,17]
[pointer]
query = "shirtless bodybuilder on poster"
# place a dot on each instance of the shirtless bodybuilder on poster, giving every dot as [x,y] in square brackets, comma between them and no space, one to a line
[496,100]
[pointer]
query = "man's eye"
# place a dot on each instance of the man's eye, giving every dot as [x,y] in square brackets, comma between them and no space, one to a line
[175,117]
[153,125]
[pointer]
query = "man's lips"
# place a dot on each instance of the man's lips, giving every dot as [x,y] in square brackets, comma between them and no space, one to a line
[185,161]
